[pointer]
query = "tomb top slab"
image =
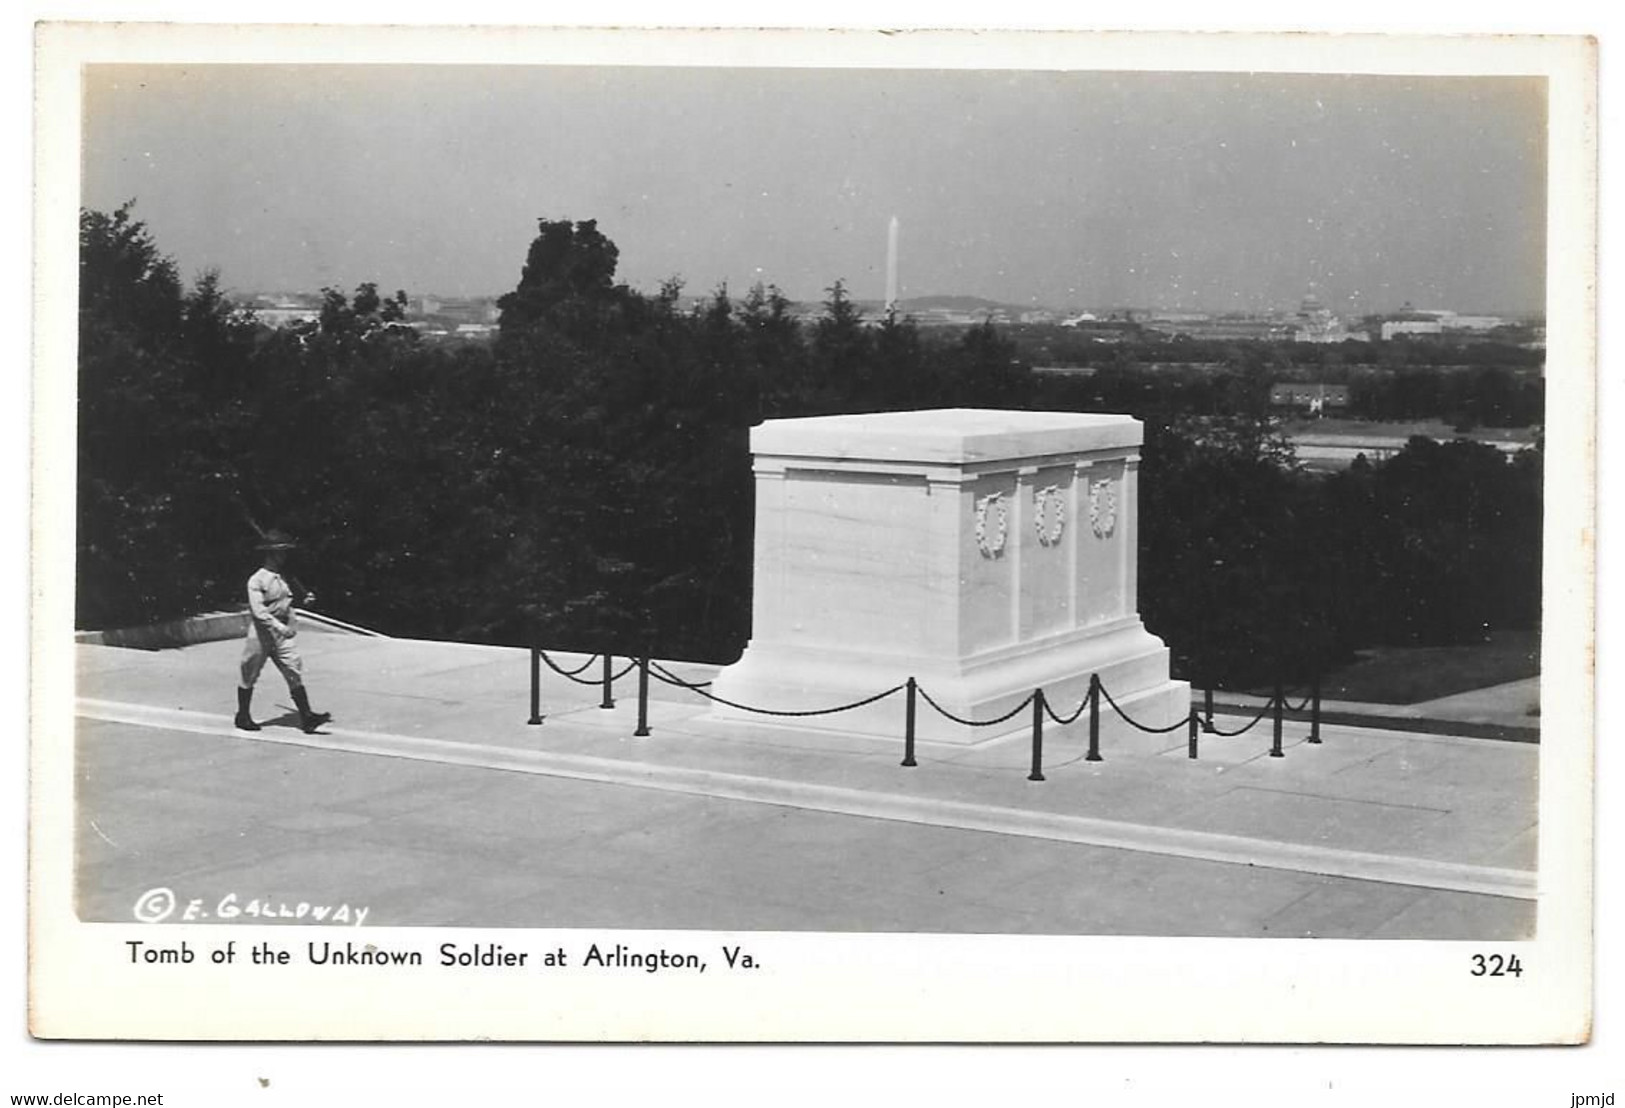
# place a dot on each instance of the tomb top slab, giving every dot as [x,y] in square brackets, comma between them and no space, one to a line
[945,435]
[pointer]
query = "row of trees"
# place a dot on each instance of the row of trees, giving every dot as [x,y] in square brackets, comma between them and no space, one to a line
[1466,399]
[1484,397]
[1468,385]
[1052,344]
[585,479]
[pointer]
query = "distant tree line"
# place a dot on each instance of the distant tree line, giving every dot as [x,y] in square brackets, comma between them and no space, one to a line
[584,480]
[1465,384]
[1054,344]
[1466,399]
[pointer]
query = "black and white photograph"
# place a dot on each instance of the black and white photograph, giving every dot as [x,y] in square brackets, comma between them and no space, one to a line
[628,534]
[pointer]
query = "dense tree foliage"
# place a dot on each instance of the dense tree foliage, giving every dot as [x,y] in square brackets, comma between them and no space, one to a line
[163,397]
[585,481]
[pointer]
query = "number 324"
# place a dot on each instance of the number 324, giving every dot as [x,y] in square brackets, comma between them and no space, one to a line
[1496,965]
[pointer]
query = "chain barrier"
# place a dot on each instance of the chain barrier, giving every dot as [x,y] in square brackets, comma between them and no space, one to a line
[1007,717]
[659,672]
[1264,711]
[1126,718]
[1069,720]
[1279,705]
[1036,700]
[571,673]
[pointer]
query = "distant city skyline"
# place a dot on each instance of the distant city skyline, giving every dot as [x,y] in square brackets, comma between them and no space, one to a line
[1193,191]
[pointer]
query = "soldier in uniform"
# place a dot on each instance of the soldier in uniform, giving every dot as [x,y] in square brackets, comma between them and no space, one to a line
[270,635]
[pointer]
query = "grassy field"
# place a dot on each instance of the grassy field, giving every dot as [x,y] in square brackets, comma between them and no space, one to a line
[1407,675]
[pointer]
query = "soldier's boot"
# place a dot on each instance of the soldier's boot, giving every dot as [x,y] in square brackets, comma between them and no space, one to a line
[244,721]
[308,720]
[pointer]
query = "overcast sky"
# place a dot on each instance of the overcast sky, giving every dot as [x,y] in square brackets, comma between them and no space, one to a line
[1171,190]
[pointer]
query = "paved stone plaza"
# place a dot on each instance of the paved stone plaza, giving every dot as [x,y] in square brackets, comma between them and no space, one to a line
[430,801]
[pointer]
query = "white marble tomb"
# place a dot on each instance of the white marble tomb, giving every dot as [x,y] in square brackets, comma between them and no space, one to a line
[985,553]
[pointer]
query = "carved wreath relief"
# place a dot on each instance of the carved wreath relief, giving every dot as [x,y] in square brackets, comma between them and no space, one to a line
[1103,507]
[992,524]
[1049,514]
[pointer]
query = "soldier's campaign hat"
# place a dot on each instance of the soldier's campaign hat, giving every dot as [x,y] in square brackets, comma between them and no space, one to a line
[276,540]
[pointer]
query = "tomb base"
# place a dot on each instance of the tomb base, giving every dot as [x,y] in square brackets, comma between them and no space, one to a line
[1132,665]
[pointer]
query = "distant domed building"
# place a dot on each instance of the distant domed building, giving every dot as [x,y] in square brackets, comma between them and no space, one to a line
[1316,323]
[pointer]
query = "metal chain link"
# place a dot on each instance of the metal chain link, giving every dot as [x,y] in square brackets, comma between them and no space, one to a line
[1232,734]
[700,687]
[1069,720]
[571,674]
[671,680]
[1185,722]
[1012,713]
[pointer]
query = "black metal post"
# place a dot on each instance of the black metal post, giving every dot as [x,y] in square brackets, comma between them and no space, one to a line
[1094,719]
[1207,710]
[1038,736]
[609,683]
[1195,726]
[535,686]
[908,725]
[1280,702]
[643,699]
[1314,710]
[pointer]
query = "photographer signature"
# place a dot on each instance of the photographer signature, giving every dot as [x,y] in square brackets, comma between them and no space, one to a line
[162,905]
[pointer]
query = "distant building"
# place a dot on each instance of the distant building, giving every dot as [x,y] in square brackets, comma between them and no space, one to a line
[1104,330]
[1223,328]
[1411,321]
[1394,327]
[1334,331]
[1316,323]
[285,317]
[1313,397]
[950,317]
[1472,322]
[1437,321]
[449,311]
